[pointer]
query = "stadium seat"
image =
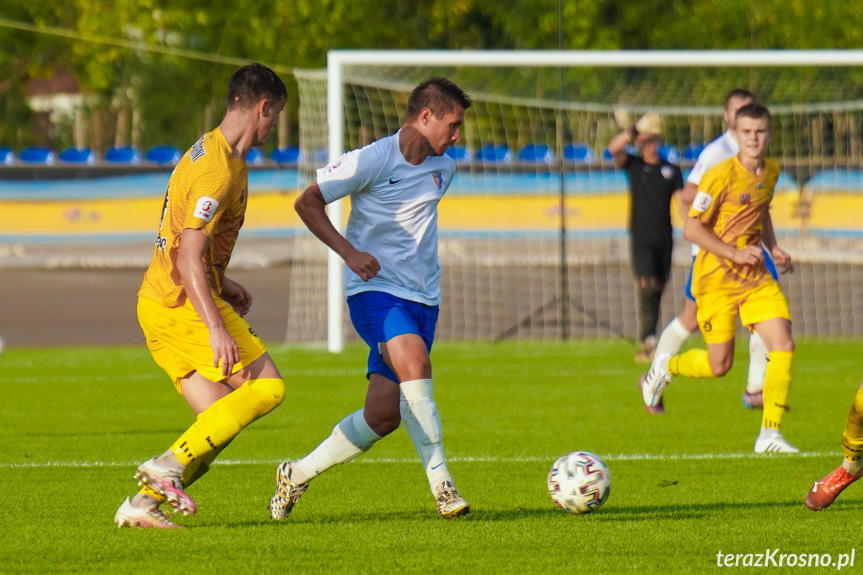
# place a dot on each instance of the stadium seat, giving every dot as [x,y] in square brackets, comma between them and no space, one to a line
[492,154]
[692,151]
[255,157]
[78,156]
[7,156]
[37,155]
[461,154]
[123,155]
[669,153]
[163,155]
[289,155]
[536,154]
[579,154]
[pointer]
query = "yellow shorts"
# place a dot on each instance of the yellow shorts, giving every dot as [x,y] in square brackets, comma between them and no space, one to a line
[717,313]
[180,342]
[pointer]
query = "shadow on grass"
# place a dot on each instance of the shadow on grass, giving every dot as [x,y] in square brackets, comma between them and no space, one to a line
[609,513]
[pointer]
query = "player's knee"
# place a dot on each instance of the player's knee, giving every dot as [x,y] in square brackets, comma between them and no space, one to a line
[415,369]
[271,393]
[786,344]
[381,420]
[721,365]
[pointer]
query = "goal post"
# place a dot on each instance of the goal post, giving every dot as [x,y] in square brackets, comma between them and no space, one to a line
[814,96]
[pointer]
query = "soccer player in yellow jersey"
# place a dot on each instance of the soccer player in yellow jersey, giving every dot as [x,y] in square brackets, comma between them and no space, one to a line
[192,315]
[729,219]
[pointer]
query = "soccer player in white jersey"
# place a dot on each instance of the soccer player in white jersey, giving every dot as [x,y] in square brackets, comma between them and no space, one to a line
[681,327]
[391,281]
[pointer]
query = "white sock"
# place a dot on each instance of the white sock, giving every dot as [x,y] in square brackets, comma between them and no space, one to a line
[420,418]
[350,438]
[672,338]
[853,467]
[757,364]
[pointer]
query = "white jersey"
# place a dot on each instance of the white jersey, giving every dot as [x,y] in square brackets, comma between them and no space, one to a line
[715,152]
[393,216]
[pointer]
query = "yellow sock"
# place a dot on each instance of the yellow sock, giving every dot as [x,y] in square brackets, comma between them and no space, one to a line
[694,363]
[154,494]
[222,421]
[852,438]
[777,383]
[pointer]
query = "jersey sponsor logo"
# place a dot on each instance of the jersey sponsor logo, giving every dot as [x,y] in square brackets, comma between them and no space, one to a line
[438,179]
[667,172]
[392,181]
[197,150]
[745,199]
[702,201]
[205,208]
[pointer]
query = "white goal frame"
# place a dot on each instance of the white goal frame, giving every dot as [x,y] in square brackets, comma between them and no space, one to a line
[337,60]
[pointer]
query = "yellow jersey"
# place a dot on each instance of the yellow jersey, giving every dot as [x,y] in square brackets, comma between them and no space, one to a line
[208,190]
[732,201]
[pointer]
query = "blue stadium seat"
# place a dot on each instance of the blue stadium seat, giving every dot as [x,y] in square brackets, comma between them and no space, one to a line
[536,154]
[7,156]
[289,155]
[163,155]
[78,156]
[669,153]
[461,154]
[255,157]
[692,151]
[579,154]
[37,155]
[492,154]
[123,155]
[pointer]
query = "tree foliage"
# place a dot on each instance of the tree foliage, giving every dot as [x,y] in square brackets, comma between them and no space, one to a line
[176,96]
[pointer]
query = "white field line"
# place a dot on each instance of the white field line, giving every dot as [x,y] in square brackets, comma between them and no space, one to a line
[481,459]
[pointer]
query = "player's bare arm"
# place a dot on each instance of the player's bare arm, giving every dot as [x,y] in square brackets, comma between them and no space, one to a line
[695,231]
[617,147]
[193,246]
[236,295]
[311,207]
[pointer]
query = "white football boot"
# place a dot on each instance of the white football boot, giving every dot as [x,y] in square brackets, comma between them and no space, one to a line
[653,383]
[773,443]
[143,517]
[287,492]
[449,503]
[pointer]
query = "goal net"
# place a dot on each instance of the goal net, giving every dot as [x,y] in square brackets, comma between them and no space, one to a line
[533,230]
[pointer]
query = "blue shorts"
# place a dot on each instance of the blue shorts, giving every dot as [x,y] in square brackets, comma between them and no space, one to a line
[378,317]
[768,261]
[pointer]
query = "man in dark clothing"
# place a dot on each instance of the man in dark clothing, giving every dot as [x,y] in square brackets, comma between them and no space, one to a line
[652,183]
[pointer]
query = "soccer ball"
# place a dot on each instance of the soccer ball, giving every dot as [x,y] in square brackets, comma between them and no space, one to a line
[579,482]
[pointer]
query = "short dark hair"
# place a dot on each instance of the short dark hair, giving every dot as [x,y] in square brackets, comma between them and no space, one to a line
[739,93]
[252,83]
[439,95]
[755,111]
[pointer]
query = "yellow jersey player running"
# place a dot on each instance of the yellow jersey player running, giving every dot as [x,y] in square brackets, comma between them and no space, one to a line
[192,315]
[729,219]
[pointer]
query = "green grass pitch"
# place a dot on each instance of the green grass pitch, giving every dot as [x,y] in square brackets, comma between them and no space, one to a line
[74,423]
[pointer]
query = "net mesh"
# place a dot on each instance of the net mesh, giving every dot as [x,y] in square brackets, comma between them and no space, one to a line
[533,228]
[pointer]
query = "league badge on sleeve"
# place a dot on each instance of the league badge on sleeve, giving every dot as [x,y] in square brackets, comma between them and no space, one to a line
[702,201]
[205,208]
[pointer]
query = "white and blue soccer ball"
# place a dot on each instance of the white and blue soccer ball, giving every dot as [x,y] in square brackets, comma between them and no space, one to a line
[579,482]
